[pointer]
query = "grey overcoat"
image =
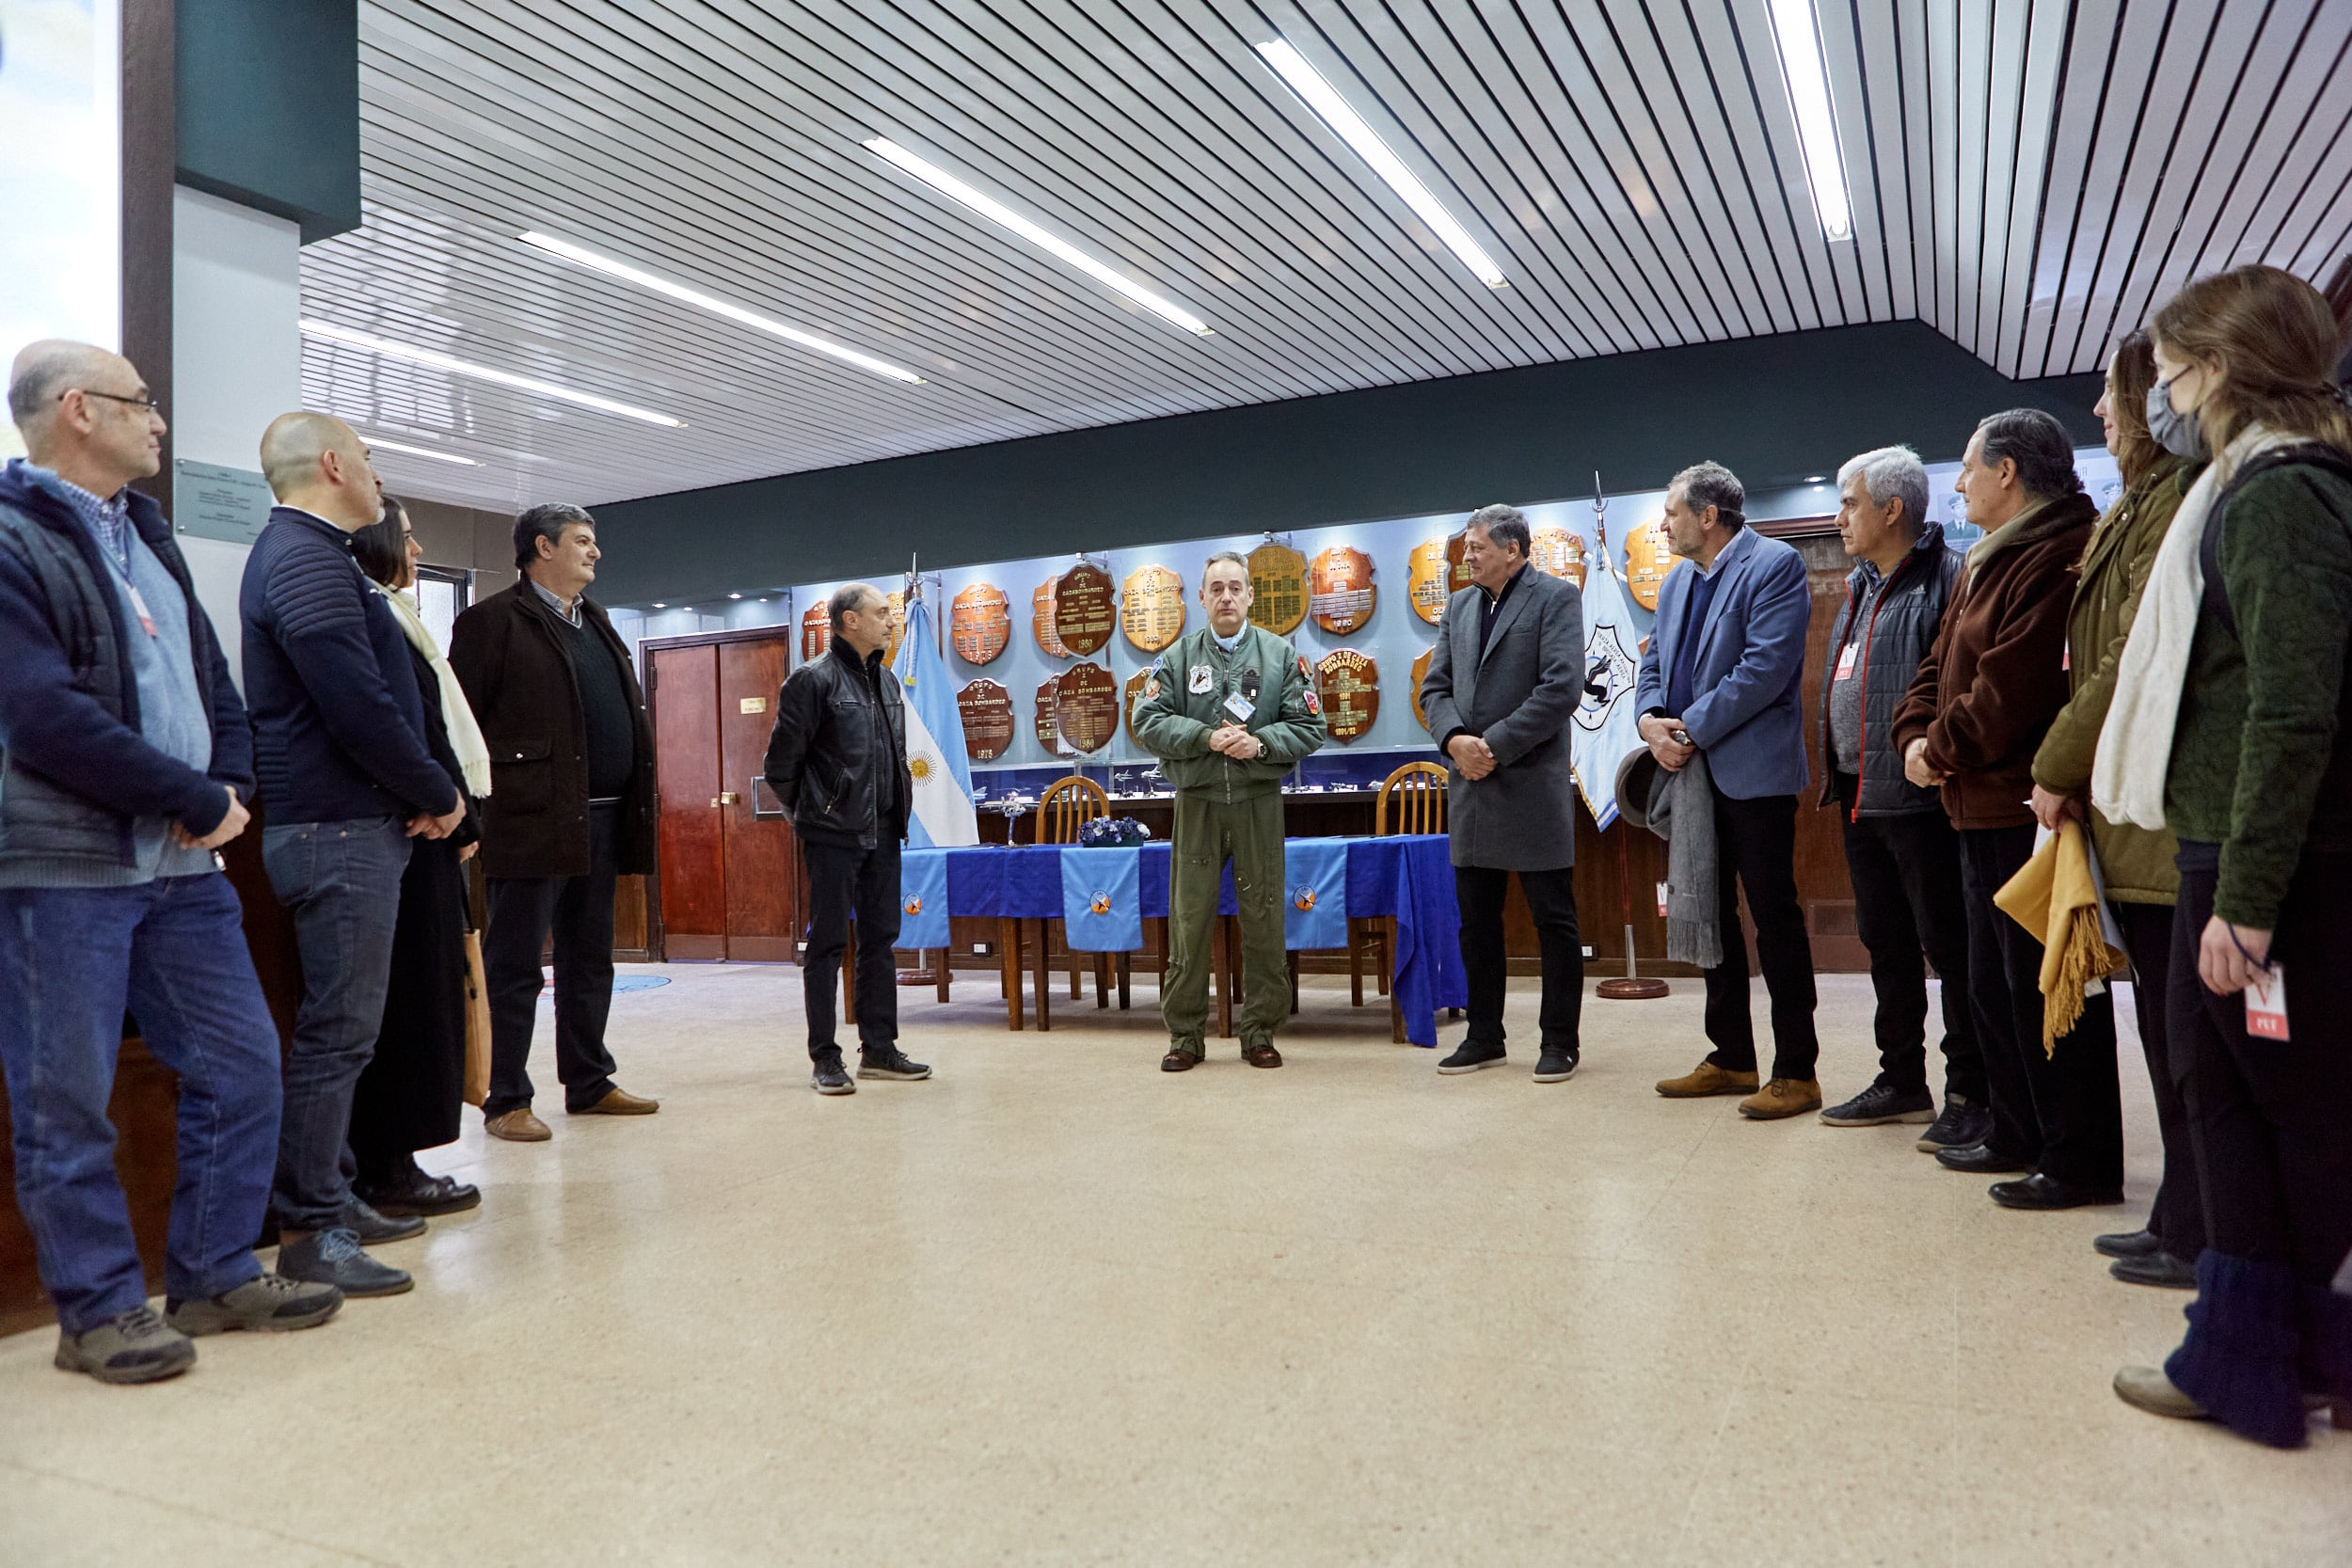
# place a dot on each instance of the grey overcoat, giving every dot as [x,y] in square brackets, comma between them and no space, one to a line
[1520,696]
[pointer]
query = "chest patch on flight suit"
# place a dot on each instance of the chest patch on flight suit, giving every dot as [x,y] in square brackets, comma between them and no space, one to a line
[1200,680]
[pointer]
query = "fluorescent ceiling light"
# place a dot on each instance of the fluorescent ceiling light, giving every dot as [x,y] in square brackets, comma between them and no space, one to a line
[390,350]
[1349,126]
[1061,250]
[716,305]
[379,444]
[1798,32]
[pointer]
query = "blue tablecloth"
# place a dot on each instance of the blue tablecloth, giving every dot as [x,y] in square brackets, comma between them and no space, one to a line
[1407,877]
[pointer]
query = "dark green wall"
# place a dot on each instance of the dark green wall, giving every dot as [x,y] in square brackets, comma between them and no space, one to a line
[1774,409]
[269,107]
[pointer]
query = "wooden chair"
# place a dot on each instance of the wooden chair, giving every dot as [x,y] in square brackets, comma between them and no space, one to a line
[1417,794]
[1068,805]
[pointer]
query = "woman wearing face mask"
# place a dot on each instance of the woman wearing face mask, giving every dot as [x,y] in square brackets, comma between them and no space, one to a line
[2135,863]
[2230,726]
[410,1097]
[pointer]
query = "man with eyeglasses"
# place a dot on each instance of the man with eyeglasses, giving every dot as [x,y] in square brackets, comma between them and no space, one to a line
[125,763]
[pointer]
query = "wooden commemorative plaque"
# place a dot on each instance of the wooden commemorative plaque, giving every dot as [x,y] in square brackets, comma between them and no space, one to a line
[979,623]
[898,626]
[1151,607]
[1350,686]
[1139,685]
[815,632]
[986,708]
[1083,612]
[1428,578]
[1048,727]
[1278,588]
[1457,570]
[1420,673]
[1339,593]
[1557,553]
[1647,559]
[1085,706]
[1042,621]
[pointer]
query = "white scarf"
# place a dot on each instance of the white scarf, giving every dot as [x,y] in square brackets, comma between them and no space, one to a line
[465,735]
[2134,752]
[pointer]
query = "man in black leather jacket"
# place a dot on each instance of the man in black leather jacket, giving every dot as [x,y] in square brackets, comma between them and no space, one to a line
[838,759]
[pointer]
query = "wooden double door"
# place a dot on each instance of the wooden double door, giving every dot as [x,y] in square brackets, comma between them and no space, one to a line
[730,881]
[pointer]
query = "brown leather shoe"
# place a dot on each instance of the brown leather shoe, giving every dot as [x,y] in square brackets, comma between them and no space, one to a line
[518,1126]
[1179,1061]
[618,1102]
[1782,1097]
[1706,1079]
[1262,1056]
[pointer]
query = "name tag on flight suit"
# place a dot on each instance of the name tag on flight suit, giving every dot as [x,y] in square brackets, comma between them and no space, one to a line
[1239,707]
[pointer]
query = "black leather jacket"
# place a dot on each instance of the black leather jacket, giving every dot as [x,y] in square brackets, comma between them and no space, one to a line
[838,757]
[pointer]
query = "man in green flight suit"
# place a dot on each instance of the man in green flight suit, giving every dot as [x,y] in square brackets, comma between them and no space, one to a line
[1227,710]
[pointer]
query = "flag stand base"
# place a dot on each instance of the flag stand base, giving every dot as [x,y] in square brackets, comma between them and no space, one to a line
[1630,987]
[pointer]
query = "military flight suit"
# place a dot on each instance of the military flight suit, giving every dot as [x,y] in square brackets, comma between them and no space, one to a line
[1226,809]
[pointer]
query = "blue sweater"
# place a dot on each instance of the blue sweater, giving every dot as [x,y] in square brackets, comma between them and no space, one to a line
[77,765]
[338,724]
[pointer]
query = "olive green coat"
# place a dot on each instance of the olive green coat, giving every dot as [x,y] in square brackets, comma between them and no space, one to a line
[2136,861]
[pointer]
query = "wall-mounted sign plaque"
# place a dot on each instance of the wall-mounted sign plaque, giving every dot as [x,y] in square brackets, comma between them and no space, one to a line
[1350,687]
[979,623]
[1277,586]
[1339,593]
[1557,553]
[1042,621]
[1048,728]
[1085,706]
[816,631]
[1647,559]
[1428,577]
[1420,673]
[1151,607]
[1135,683]
[986,708]
[1084,612]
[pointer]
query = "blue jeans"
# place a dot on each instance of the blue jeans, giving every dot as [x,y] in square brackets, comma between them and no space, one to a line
[340,882]
[171,952]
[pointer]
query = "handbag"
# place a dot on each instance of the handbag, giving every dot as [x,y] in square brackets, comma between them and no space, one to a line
[477,1024]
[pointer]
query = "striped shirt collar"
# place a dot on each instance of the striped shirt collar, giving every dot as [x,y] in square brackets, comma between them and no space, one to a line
[570,612]
[108,517]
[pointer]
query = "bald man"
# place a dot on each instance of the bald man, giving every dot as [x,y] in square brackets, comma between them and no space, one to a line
[347,780]
[124,763]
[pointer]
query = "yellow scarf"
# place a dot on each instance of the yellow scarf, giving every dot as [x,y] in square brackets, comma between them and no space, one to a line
[2055,897]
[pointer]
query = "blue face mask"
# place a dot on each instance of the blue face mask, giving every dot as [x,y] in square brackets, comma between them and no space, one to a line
[2178,433]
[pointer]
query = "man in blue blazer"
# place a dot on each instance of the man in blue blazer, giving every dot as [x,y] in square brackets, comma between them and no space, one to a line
[1721,677]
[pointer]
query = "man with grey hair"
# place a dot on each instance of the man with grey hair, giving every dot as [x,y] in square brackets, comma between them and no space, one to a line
[1503,685]
[838,759]
[1900,853]
[569,812]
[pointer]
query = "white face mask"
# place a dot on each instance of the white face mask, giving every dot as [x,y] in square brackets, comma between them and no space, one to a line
[2179,434]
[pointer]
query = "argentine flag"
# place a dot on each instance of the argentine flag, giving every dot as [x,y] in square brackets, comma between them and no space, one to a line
[944,817]
[1603,730]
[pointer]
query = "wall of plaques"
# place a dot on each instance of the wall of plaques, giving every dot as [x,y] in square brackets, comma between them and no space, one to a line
[1049,654]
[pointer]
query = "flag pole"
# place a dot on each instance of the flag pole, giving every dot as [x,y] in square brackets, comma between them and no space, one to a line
[1631,985]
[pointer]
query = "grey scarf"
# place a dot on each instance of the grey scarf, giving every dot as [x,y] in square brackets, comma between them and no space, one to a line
[1682,812]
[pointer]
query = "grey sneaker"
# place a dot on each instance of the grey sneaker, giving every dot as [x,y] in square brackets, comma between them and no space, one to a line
[137,1346]
[335,1258]
[266,1304]
[827,1076]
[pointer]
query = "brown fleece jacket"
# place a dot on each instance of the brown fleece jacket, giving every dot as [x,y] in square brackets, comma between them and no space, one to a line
[1986,692]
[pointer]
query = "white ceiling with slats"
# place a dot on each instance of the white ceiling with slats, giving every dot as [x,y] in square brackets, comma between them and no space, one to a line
[2027,175]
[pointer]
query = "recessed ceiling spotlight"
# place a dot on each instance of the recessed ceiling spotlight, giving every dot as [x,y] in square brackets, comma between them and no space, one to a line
[1798,32]
[1817,479]
[1062,250]
[1336,112]
[659,604]
[455,366]
[735,595]
[612,267]
[378,443]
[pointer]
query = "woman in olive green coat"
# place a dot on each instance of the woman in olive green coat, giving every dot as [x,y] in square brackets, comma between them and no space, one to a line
[2137,863]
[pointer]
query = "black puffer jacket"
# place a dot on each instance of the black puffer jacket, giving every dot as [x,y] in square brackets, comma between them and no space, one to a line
[1902,629]
[839,748]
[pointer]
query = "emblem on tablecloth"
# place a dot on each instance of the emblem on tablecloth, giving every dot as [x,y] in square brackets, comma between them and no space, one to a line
[1085,706]
[1041,620]
[1428,580]
[1420,673]
[1099,901]
[1647,559]
[1151,607]
[1303,897]
[1339,593]
[985,709]
[914,904]
[1557,553]
[1350,685]
[979,623]
[815,632]
[1278,588]
[1084,612]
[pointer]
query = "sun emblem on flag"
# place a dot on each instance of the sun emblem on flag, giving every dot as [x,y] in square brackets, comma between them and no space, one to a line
[1304,899]
[921,767]
[914,903]
[1100,903]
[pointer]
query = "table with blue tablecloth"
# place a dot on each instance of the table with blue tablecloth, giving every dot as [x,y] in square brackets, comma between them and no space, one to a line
[1101,897]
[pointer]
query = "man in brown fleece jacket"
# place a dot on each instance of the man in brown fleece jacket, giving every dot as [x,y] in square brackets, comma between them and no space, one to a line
[1974,713]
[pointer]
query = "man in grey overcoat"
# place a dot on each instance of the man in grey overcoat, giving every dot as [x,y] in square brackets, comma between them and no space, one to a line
[1503,683]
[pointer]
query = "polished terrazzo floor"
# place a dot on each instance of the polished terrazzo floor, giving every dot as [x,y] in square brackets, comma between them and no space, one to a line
[1058,1307]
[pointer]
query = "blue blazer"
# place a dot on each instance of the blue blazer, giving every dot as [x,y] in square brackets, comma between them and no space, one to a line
[1745,710]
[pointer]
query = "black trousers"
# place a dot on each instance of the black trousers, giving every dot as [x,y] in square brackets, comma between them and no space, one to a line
[1755,844]
[410,1094]
[2272,1119]
[1905,872]
[842,879]
[2060,1111]
[2178,1215]
[578,910]
[1478,892]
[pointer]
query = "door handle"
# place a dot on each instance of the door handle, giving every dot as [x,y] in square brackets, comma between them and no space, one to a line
[729,799]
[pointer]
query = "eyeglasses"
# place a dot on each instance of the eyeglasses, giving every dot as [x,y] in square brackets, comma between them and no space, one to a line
[151,404]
